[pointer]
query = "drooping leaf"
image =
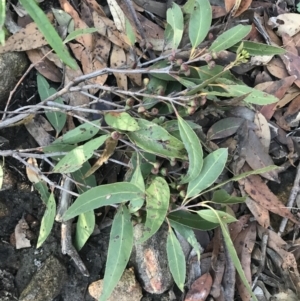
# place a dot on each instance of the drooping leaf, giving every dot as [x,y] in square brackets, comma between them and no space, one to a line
[191,220]
[83,132]
[103,196]
[119,250]
[171,126]
[154,139]
[234,256]
[48,31]
[194,150]
[57,119]
[254,97]
[157,198]
[254,48]
[86,221]
[175,19]
[189,235]
[75,158]
[200,21]
[43,190]
[210,215]
[230,37]
[213,165]
[121,121]
[1,176]
[176,259]
[222,197]
[137,179]
[47,220]
[79,32]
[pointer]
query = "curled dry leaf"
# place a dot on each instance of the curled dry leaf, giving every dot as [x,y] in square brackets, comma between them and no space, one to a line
[200,288]
[20,234]
[44,66]
[277,68]
[242,7]
[261,194]
[32,176]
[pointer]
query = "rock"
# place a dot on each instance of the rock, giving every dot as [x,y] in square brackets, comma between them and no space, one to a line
[8,291]
[126,290]
[150,260]
[12,66]
[47,282]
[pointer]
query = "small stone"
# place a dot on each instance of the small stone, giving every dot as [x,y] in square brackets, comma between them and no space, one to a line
[47,282]
[127,289]
[150,260]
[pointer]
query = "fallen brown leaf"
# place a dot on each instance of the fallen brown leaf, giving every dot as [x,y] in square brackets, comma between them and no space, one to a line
[200,289]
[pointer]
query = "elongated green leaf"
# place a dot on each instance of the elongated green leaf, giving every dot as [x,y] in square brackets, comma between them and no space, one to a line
[234,256]
[43,190]
[154,139]
[176,260]
[57,119]
[210,215]
[175,19]
[81,133]
[79,32]
[121,121]
[230,38]
[103,196]
[172,127]
[119,250]
[157,198]
[191,220]
[222,197]
[129,32]
[189,235]
[213,165]
[200,21]
[156,85]
[188,7]
[254,97]
[194,150]
[2,21]
[47,220]
[1,176]
[48,31]
[137,179]
[86,221]
[254,48]
[75,158]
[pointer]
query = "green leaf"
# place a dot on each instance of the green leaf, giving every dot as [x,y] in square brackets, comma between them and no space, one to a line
[119,250]
[222,197]
[175,19]
[129,32]
[200,22]
[188,7]
[189,235]
[1,176]
[172,127]
[161,65]
[47,220]
[43,190]
[191,220]
[154,139]
[76,157]
[2,21]
[137,179]
[194,150]
[176,259]
[104,195]
[84,132]
[49,32]
[213,165]
[79,32]
[157,198]
[121,121]
[86,221]
[210,215]
[57,119]
[254,97]
[254,48]
[233,255]
[230,38]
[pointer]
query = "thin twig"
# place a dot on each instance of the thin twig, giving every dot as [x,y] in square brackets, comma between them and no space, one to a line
[290,203]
